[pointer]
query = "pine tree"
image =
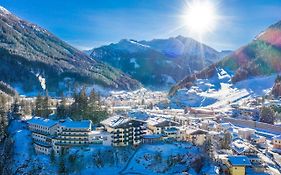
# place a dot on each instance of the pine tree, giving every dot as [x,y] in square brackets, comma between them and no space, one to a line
[46,106]
[25,107]
[16,106]
[38,105]
[52,156]
[226,140]
[62,108]
[85,107]
[267,115]
[83,101]
[3,115]
[62,168]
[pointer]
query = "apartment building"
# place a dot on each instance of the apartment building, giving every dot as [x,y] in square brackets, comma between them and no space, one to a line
[125,131]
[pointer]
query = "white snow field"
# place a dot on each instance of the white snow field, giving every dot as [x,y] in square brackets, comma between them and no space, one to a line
[218,92]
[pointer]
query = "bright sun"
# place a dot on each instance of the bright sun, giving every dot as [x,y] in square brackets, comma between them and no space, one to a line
[200,16]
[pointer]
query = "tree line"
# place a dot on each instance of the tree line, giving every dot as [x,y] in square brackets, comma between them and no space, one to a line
[80,107]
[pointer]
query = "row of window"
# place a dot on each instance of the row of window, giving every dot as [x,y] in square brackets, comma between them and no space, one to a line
[73,142]
[277,141]
[39,136]
[42,149]
[39,127]
[71,129]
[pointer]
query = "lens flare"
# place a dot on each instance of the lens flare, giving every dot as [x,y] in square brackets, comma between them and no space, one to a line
[200,16]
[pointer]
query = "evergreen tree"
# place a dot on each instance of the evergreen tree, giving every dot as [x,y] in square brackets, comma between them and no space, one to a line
[52,156]
[3,115]
[267,115]
[62,168]
[226,140]
[16,106]
[25,106]
[46,106]
[85,107]
[38,105]
[62,108]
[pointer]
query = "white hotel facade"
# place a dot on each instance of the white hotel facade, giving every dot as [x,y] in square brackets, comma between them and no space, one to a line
[50,135]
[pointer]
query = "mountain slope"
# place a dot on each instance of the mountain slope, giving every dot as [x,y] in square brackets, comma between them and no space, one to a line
[158,62]
[261,57]
[32,57]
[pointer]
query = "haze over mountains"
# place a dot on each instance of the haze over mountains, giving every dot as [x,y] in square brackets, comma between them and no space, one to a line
[159,62]
[31,58]
[261,57]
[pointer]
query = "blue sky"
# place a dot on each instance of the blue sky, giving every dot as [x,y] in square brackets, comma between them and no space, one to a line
[90,23]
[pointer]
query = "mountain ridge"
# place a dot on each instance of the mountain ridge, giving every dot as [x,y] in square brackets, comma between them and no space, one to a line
[262,56]
[158,62]
[27,51]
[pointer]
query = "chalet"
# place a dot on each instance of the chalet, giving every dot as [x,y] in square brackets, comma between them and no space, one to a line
[196,136]
[257,139]
[225,127]
[245,133]
[171,133]
[276,142]
[125,131]
[159,125]
[240,147]
[152,138]
[209,125]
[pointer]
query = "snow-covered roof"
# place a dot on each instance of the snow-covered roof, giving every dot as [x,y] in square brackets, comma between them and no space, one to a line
[246,130]
[116,121]
[256,136]
[42,121]
[239,146]
[84,124]
[277,137]
[161,122]
[239,160]
[226,125]
[173,129]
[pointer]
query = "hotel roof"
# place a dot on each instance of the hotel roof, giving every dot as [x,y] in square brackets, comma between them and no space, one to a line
[84,124]
[117,120]
[42,121]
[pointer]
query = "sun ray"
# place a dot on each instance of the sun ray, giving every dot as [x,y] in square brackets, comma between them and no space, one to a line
[200,17]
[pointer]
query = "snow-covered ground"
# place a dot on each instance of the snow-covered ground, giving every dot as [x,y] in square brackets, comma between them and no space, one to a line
[24,158]
[218,92]
[164,159]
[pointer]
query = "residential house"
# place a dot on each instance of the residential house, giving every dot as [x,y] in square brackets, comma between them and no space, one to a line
[241,147]
[158,124]
[276,141]
[237,164]
[245,133]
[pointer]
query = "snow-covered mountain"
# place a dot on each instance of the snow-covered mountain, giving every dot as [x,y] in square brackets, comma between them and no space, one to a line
[218,91]
[33,59]
[158,62]
[259,58]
